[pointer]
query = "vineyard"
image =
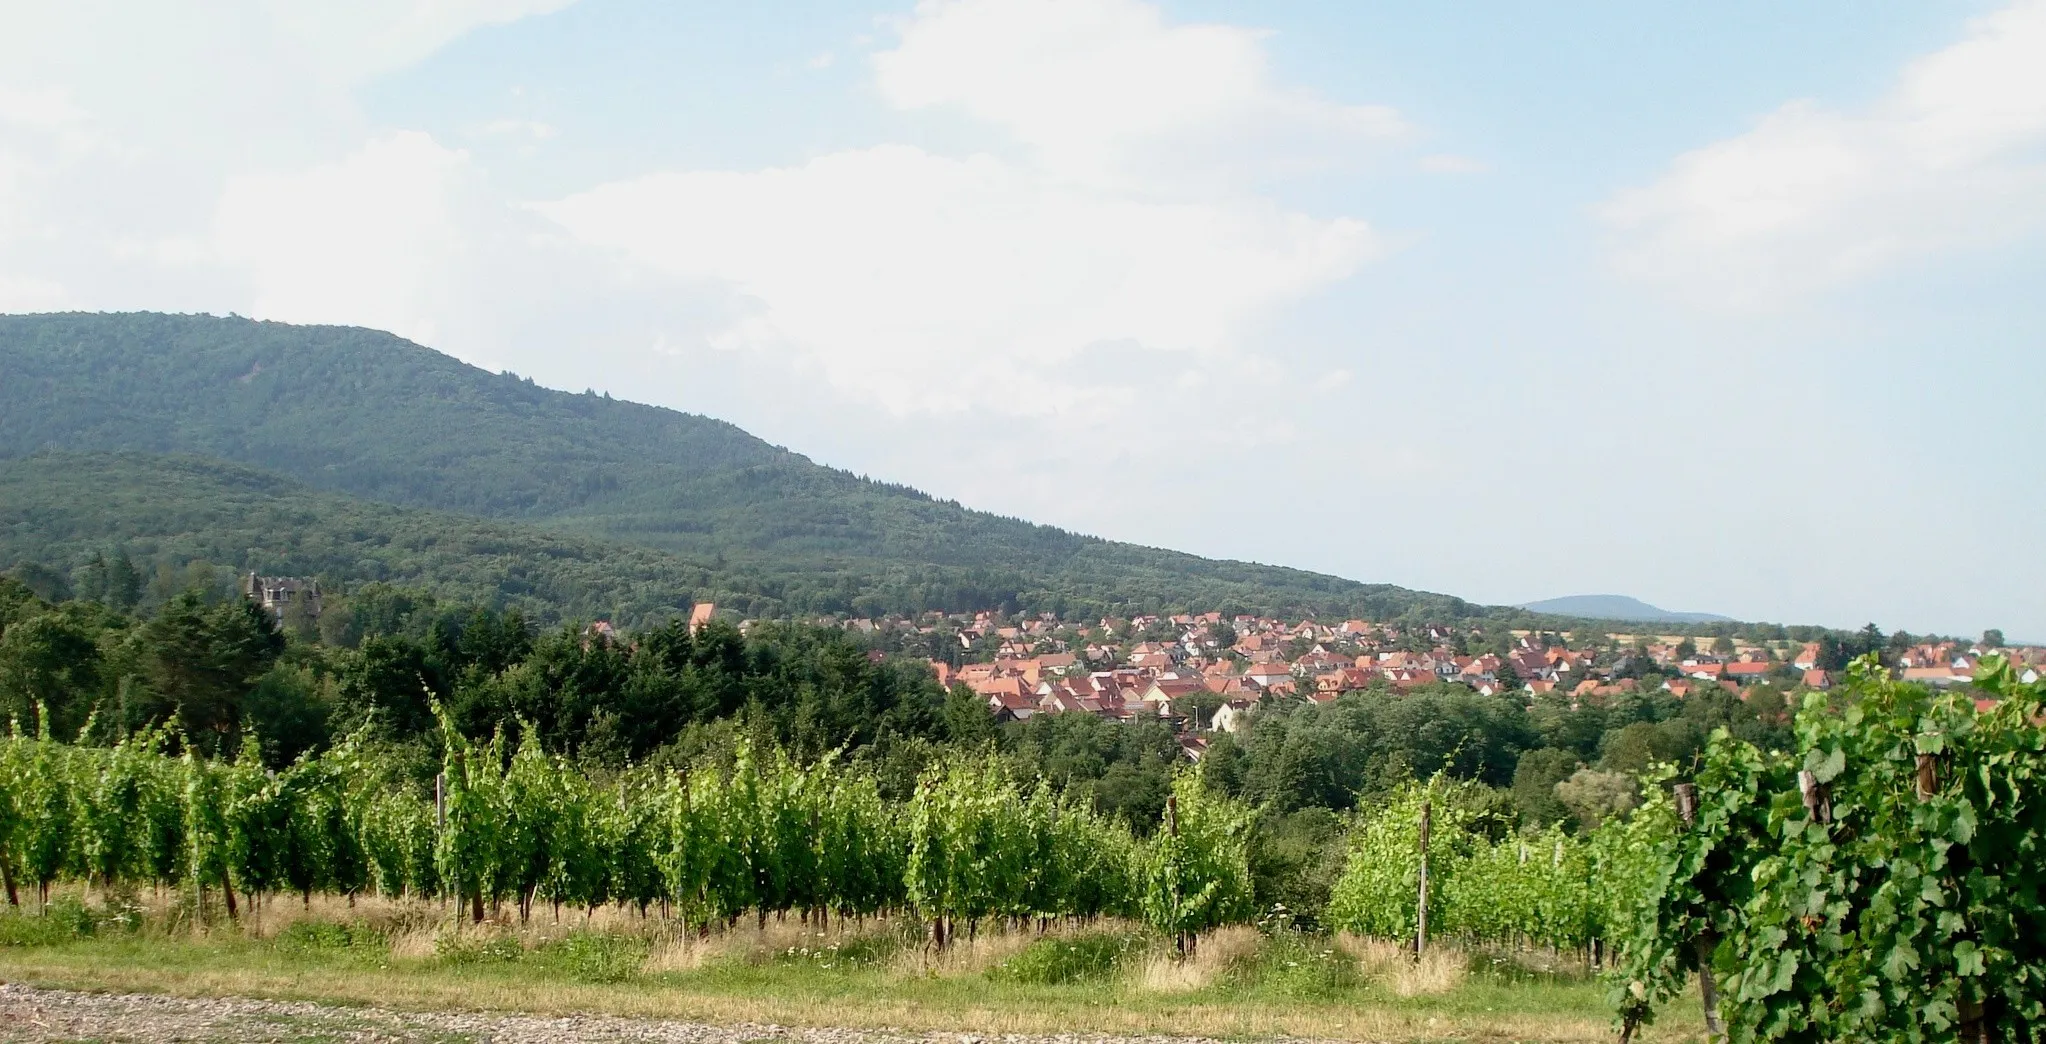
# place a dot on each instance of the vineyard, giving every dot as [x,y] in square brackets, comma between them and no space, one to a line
[509,824]
[1881,881]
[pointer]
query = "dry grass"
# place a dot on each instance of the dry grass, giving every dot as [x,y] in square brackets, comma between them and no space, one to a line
[965,957]
[1216,953]
[1441,970]
[748,974]
[415,944]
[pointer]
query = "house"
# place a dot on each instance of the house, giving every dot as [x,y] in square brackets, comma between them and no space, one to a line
[277,593]
[1012,705]
[1164,690]
[1747,672]
[1941,676]
[1266,675]
[1817,679]
[700,615]
[1232,716]
[1807,658]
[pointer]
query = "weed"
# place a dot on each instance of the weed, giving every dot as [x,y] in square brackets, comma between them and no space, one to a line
[1074,958]
[477,948]
[66,919]
[594,956]
[1298,964]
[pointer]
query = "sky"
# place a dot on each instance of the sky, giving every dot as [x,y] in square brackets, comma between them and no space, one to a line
[1732,308]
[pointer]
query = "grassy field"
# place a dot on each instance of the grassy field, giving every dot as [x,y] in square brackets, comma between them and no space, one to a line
[1105,980]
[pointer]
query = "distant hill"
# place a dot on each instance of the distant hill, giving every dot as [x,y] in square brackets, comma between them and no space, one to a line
[1616,607]
[370,415]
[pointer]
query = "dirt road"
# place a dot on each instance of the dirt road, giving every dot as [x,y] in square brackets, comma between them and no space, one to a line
[34,1016]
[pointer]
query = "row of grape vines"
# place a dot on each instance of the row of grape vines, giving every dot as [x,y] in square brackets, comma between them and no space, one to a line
[1884,881]
[510,825]
[1486,884]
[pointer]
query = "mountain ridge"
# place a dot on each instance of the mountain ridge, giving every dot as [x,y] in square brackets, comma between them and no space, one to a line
[1617,607]
[370,415]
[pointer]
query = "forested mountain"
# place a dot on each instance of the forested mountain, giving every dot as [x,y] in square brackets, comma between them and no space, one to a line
[369,414]
[171,512]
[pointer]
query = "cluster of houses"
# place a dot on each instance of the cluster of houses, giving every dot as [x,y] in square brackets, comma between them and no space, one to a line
[1209,671]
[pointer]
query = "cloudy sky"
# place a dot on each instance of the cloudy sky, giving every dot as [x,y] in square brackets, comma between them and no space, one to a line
[1731,307]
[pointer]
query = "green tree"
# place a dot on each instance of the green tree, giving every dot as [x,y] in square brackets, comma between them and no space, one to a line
[48,584]
[49,662]
[1594,797]
[1534,785]
[967,720]
[202,660]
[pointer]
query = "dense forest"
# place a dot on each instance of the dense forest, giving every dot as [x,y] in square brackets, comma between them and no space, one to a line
[371,415]
[174,515]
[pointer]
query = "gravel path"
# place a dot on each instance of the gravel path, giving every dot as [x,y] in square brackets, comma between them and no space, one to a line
[29,1015]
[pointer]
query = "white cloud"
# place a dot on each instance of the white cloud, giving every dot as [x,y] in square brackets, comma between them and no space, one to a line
[931,282]
[365,38]
[1814,197]
[29,295]
[370,240]
[128,137]
[1446,163]
[47,108]
[1106,91]
[533,130]
[926,281]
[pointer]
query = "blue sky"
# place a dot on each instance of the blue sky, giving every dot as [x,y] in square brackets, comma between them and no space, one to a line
[1731,308]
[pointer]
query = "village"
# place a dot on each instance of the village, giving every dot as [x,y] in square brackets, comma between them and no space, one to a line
[1209,672]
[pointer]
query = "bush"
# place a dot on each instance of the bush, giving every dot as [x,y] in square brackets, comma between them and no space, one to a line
[865,950]
[594,957]
[1076,958]
[315,935]
[1302,965]
[66,920]
[332,938]
[455,948]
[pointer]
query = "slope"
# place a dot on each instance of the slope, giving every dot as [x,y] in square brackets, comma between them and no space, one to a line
[168,512]
[370,414]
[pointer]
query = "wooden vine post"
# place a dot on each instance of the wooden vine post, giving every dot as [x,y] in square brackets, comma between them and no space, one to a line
[1708,940]
[1421,910]
[1974,1014]
[1179,916]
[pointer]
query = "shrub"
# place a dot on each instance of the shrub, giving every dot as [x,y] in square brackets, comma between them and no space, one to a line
[313,936]
[66,920]
[456,948]
[594,957]
[1298,964]
[1058,959]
